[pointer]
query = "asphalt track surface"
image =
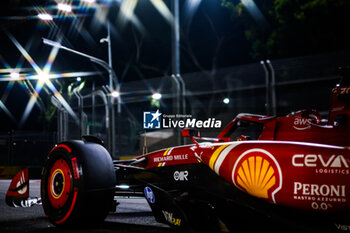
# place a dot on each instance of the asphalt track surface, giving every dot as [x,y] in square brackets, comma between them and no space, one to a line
[133,215]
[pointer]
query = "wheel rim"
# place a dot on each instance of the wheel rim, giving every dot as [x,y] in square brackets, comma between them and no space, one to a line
[59,185]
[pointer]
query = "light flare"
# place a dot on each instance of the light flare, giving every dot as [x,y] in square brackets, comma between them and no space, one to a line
[115,94]
[127,13]
[62,100]
[24,76]
[128,7]
[8,113]
[31,103]
[255,12]
[89,1]
[191,7]
[64,7]
[45,79]
[51,59]
[45,16]
[14,75]
[24,53]
[157,96]
[163,10]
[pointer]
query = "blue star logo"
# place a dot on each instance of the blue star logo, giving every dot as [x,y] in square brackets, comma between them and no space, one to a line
[151,120]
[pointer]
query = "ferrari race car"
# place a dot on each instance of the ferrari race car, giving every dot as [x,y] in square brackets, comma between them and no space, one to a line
[281,173]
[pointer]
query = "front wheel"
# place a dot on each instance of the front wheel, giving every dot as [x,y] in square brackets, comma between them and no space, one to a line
[77,184]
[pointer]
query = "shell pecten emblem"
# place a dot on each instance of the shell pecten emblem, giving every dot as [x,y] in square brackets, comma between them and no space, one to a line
[257,172]
[256,176]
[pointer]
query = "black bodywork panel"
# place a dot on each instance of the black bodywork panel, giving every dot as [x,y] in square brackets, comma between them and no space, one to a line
[192,197]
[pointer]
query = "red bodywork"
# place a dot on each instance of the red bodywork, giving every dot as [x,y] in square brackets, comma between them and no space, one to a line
[19,187]
[299,161]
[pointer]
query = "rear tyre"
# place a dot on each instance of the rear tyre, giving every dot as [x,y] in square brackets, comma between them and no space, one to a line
[77,184]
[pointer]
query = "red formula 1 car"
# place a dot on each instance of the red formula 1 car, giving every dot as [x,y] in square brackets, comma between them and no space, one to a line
[286,173]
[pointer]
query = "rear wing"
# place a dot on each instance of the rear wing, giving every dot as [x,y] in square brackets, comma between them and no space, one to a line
[339,112]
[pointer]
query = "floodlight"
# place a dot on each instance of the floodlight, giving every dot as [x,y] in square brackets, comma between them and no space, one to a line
[115,94]
[89,1]
[43,76]
[64,7]
[45,16]
[14,75]
[156,96]
[226,100]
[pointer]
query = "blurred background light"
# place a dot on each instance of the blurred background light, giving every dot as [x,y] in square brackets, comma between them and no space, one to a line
[45,16]
[157,96]
[43,77]
[226,100]
[64,7]
[14,75]
[115,94]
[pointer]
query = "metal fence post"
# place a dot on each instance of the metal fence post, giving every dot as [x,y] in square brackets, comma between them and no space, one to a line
[176,105]
[81,113]
[273,88]
[267,88]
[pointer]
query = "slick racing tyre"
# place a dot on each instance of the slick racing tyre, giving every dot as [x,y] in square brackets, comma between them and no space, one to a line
[77,184]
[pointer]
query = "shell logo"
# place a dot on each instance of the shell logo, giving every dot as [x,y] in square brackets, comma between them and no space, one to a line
[257,172]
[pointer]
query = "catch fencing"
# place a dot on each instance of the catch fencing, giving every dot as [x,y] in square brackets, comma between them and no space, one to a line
[269,87]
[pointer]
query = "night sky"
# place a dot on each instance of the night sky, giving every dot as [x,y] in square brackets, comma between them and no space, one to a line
[206,33]
[139,52]
[211,38]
